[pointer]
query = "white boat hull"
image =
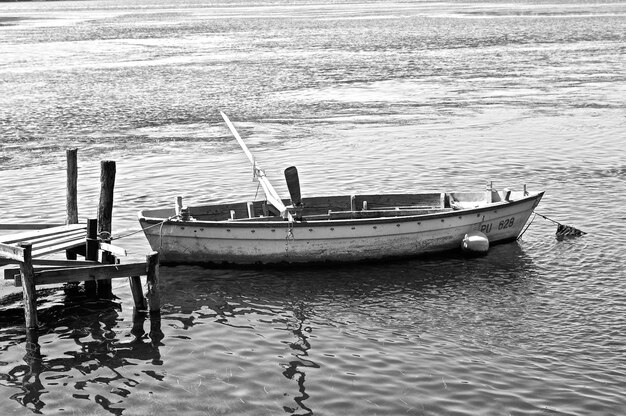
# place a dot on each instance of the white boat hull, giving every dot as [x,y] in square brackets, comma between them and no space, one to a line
[348,240]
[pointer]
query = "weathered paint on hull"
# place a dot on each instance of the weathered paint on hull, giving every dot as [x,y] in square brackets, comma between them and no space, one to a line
[204,242]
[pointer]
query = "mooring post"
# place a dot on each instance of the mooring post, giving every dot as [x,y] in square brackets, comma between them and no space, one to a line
[71,205]
[91,251]
[105,207]
[105,215]
[28,286]
[153,295]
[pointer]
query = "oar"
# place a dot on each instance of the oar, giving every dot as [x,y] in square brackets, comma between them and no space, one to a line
[293,184]
[270,192]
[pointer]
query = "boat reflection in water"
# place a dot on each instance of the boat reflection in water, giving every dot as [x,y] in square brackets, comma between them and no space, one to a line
[238,338]
[315,324]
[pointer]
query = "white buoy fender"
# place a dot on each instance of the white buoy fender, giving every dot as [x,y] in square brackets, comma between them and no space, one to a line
[475,242]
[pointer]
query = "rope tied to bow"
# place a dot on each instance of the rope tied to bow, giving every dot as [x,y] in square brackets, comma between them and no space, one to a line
[563,231]
[160,223]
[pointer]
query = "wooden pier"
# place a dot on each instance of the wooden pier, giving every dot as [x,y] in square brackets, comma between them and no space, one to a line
[31,248]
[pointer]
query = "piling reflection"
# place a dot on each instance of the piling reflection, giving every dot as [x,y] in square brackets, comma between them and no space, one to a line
[98,347]
[32,388]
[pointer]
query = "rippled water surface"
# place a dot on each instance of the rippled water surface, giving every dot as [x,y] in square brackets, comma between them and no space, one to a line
[361,97]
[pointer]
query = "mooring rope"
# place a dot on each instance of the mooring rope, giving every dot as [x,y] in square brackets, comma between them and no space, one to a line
[563,230]
[142,229]
[528,226]
[549,219]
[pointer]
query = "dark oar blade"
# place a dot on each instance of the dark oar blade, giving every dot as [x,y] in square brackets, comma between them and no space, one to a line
[293,183]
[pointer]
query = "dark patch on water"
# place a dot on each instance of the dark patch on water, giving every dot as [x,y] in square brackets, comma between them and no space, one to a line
[618,173]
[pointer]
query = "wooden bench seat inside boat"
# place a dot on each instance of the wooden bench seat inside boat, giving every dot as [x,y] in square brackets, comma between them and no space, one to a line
[379,213]
[432,200]
[321,206]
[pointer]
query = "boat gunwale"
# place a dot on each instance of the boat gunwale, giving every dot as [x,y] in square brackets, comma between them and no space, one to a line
[250,222]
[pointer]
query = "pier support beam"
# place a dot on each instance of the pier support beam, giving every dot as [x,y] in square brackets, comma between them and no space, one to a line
[28,286]
[153,295]
[137,291]
[91,252]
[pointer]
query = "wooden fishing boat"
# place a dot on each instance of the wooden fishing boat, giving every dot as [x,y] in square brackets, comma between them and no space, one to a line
[345,228]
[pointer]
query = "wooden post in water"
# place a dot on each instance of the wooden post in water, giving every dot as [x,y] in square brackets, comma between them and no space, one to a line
[105,207]
[153,295]
[72,187]
[105,215]
[28,286]
[71,205]
[91,251]
[136,290]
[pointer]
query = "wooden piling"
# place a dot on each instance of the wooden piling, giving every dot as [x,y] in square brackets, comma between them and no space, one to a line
[105,215]
[137,291]
[97,277]
[105,207]
[153,295]
[91,252]
[28,286]
[71,205]
[104,287]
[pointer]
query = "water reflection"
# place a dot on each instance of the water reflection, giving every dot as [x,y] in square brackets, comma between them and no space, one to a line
[31,379]
[265,321]
[294,369]
[369,303]
[91,326]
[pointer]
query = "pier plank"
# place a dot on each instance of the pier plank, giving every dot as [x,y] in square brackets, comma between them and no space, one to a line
[64,245]
[27,226]
[10,272]
[83,274]
[52,231]
[48,240]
